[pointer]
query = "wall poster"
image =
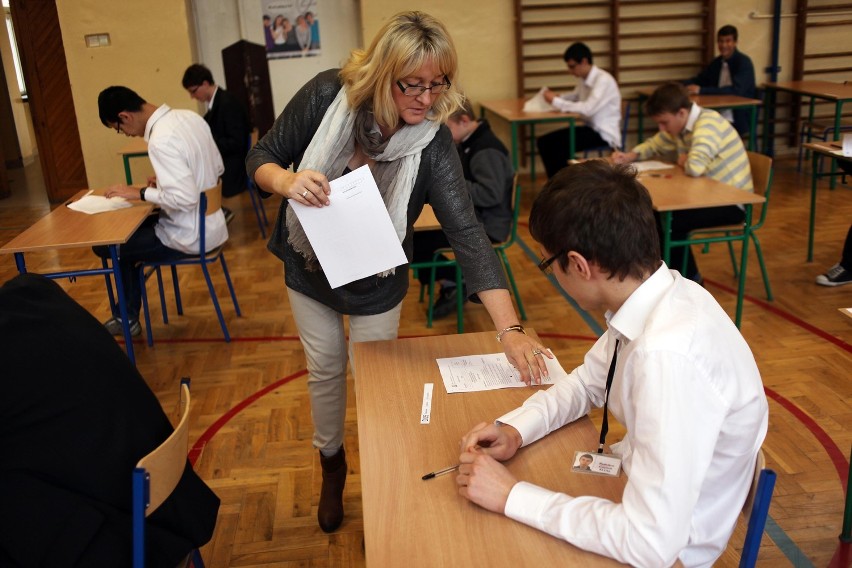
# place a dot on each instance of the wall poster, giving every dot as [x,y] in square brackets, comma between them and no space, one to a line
[290,28]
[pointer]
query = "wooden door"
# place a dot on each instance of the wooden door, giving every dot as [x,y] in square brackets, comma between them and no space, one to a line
[51,104]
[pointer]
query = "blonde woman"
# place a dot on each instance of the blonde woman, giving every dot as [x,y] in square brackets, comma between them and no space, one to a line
[385,108]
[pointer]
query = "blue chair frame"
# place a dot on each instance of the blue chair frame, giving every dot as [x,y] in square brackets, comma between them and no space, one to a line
[202,260]
[757,518]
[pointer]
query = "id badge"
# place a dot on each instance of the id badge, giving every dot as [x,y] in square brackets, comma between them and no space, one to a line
[594,463]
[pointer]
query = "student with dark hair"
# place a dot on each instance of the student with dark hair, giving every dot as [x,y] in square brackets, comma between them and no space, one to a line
[704,144]
[186,162]
[73,425]
[684,385]
[732,73]
[488,175]
[596,98]
[228,122]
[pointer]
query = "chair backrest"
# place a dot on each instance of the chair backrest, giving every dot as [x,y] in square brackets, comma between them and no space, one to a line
[761,178]
[157,474]
[214,199]
[756,509]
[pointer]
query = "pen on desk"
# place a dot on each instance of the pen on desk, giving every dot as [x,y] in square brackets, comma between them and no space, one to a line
[659,175]
[440,472]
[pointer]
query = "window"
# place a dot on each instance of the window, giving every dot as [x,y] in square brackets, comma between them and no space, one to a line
[19,75]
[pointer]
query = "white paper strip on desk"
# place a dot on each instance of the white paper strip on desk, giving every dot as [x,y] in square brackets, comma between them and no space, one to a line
[91,204]
[475,373]
[354,236]
[651,165]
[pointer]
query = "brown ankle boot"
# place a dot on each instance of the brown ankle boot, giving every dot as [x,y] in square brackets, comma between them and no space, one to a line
[330,511]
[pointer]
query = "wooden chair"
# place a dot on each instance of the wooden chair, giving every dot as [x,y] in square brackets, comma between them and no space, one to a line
[256,200]
[756,509]
[761,174]
[211,202]
[499,249]
[156,476]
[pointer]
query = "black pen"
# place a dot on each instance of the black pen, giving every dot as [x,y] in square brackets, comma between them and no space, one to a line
[440,472]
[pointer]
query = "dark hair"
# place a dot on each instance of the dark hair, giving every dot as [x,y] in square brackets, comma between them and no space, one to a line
[602,212]
[578,51]
[467,110]
[728,30]
[670,97]
[196,74]
[588,456]
[114,100]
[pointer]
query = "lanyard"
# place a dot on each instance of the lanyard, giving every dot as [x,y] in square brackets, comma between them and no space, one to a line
[610,374]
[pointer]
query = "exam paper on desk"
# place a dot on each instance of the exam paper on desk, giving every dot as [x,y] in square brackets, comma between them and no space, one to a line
[91,204]
[651,165]
[353,237]
[475,373]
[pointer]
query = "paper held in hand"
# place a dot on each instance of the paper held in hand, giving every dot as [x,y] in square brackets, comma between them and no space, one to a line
[353,237]
[538,103]
[488,372]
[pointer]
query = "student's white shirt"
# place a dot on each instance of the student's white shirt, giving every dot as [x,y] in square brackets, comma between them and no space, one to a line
[689,393]
[598,99]
[186,162]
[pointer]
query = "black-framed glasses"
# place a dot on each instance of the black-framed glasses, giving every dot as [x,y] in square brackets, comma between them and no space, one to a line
[417,90]
[118,126]
[545,264]
[193,89]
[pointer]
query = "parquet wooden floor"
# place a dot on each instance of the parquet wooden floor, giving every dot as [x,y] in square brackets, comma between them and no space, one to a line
[251,419]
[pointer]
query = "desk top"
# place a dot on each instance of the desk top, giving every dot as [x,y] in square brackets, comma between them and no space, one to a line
[134,146]
[711,101]
[512,110]
[66,228]
[828,149]
[673,190]
[822,89]
[427,220]
[410,522]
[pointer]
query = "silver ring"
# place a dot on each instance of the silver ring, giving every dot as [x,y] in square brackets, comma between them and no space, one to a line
[305,194]
[536,352]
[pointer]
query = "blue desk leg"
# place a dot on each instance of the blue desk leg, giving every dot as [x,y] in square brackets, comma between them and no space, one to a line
[20,263]
[122,303]
[742,281]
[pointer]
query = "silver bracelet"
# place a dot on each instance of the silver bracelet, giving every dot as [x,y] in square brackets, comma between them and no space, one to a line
[517,327]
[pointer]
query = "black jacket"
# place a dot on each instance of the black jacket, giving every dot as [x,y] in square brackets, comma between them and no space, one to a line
[742,77]
[230,127]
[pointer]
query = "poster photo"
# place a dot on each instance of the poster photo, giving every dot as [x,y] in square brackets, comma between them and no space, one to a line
[290,28]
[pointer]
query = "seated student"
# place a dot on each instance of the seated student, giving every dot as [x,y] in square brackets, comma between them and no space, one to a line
[186,162]
[597,98]
[75,418]
[685,386]
[488,175]
[732,73]
[841,273]
[704,144]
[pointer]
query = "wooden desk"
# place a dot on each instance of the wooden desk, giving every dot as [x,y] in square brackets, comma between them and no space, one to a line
[427,220]
[512,111]
[135,148]
[410,522]
[820,149]
[838,93]
[715,102]
[673,190]
[64,228]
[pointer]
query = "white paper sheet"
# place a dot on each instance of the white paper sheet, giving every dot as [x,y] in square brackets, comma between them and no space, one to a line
[538,103]
[91,204]
[475,373]
[651,165]
[354,236]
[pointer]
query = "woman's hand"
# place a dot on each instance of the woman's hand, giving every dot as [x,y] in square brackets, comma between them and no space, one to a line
[307,187]
[623,157]
[527,355]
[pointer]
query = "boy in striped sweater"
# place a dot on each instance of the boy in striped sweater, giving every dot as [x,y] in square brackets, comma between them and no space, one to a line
[703,143]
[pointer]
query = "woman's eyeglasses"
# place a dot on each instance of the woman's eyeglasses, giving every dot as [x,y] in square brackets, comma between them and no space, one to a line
[417,90]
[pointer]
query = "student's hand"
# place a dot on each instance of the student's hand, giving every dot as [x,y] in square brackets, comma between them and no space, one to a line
[308,187]
[548,95]
[527,356]
[484,481]
[152,181]
[693,89]
[681,159]
[122,190]
[499,441]
[623,157]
